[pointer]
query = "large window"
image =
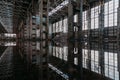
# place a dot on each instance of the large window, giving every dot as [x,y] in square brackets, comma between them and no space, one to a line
[85,21]
[53,28]
[65,25]
[95,17]
[60,26]
[110,13]
[76,20]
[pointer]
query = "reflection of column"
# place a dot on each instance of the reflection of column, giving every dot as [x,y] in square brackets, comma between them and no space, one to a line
[89,58]
[71,46]
[101,59]
[70,59]
[70,36]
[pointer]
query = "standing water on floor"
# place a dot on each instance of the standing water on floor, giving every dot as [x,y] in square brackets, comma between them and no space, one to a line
[58,61]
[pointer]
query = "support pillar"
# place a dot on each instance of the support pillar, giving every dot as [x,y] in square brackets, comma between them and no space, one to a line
[101,38]
[80,7]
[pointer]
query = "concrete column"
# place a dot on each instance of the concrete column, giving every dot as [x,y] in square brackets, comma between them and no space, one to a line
[80,4]
[101,37]
[70,21]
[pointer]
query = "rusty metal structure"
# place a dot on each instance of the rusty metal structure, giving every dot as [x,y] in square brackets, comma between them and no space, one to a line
[89,20]
[78,29]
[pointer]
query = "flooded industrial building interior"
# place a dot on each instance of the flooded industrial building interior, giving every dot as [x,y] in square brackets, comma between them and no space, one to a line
[59,39]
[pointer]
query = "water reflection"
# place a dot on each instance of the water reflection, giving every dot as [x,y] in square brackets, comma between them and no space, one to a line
[58,61]
[7,43]
[96,61]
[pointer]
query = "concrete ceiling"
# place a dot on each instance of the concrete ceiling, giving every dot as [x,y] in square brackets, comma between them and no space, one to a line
[11,11]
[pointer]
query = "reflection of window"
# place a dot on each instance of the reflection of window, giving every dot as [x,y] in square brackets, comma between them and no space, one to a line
[60,52]
[75,50]
[57,52]
[111,68]
[54,51]
[65,53]
[76,61]
[95,61]
[85,57]
[110,63]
